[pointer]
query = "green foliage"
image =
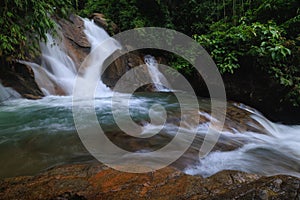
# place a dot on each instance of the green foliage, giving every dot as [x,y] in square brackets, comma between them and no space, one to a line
[25,22]
[227,44]
[129,14]
[264,35]
[181,65]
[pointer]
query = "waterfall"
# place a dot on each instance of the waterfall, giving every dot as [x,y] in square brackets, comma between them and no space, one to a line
[102,46]
[7,93]
[58,65]
[159,80]
[57,73]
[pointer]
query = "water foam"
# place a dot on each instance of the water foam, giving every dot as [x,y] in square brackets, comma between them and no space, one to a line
[267,154]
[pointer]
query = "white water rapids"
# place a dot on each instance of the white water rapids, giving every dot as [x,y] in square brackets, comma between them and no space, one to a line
[277,152]
[35,135]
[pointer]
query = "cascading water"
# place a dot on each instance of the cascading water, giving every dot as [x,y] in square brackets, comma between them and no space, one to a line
[159,80]
[58,69]
[58,65]
[7,93]
[273,153]
[31,140]
[102,46]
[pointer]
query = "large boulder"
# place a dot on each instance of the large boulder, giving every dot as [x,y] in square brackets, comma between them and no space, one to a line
[74,39]
[130,61]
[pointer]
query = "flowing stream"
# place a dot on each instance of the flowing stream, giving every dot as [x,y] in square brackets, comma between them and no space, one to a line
[159,80]
[38,134]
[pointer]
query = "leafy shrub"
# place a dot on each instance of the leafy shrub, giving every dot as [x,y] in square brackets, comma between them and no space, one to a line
[25,22]
[264,44]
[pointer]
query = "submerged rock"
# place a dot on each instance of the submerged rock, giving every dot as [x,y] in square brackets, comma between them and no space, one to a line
[95,181]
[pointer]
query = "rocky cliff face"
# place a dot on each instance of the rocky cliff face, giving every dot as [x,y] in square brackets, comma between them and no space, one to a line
[95,181]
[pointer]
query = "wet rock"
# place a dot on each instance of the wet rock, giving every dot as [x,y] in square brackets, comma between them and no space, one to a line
[263,194]
[78,47]
[30,96]
[134,59]
[20,77]
[116,68]
[101,21]
[95,181]
[137,77]
[73,30]
[263,188]
[277,184]
[69,196]
[74,39]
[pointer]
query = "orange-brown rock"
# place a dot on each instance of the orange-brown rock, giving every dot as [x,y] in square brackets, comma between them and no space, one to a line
[73,30]
[95,181]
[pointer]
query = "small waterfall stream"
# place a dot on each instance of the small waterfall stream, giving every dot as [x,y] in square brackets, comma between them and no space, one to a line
[159,80]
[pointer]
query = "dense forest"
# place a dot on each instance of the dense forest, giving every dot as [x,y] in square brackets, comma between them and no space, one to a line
[260,36]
